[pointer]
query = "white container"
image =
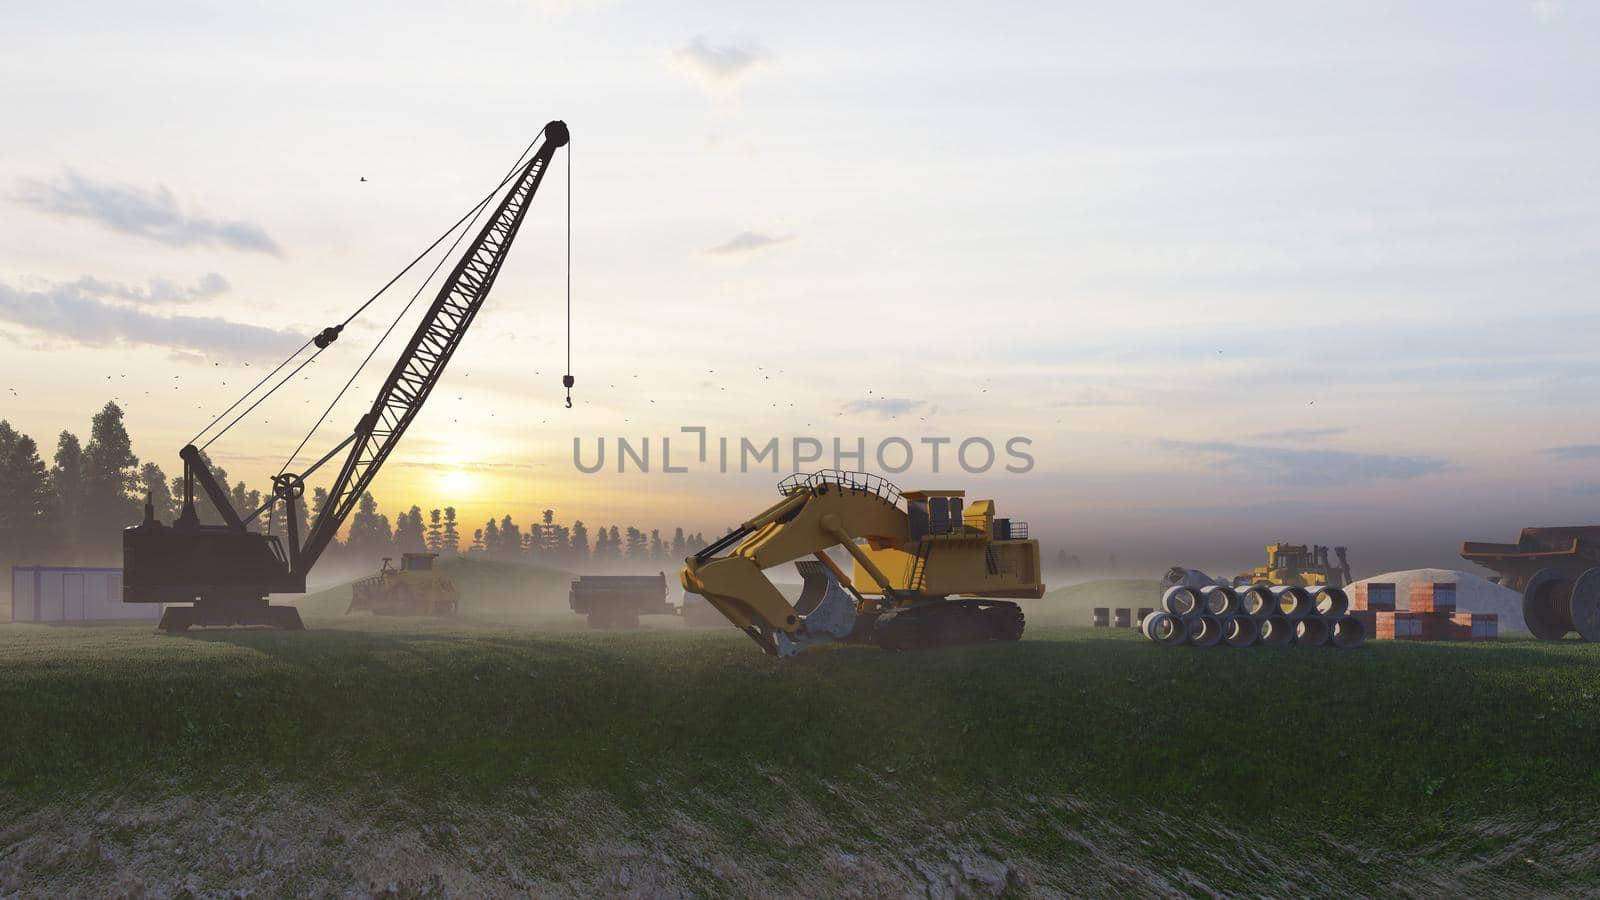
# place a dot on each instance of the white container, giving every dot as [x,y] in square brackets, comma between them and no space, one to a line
[53,594]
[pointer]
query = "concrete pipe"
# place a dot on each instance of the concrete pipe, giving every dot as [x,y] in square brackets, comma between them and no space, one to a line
[1312,631]
[1143,612]
[1348,632]
[1257,602]
[1165,629]
[1276,631]
[1241,631]
[1547,605]
[1183,602]
[1294,603]
[1331,602]
[1205,631]
[1219,601]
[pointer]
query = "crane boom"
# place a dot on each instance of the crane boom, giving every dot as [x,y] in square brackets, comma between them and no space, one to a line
[226,571]
[418,369]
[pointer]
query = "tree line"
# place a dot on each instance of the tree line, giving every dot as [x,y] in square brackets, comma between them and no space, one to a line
[72,511]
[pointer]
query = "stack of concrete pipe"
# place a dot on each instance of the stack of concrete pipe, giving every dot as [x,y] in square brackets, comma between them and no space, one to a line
[1249,616]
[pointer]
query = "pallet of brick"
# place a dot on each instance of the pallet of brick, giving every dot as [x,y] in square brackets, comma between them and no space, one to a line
[1398,626]
[1435,627]
[1434,597]
[1368,619]
[1475,626]
[1375,596]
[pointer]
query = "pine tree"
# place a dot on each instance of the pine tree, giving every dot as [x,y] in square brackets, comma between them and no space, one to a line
[491,537]
[369,530]
[153,483]
[110,474]
[510,539]
[658,551]
[409,536]
[477,540]
[580,543]
[452,537]
[680,548]
[615,544]
[435,532]
[66,484]
[636,545]
[28,529]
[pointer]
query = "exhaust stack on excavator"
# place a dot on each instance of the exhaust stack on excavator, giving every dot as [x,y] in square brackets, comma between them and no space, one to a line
[928,569]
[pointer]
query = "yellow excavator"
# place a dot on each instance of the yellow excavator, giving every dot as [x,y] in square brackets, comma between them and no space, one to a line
[929,570]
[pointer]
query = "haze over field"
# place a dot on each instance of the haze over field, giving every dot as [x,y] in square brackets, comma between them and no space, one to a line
[1319,274]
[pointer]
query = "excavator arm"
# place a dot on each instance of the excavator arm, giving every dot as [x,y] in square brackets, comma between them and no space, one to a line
[816,513]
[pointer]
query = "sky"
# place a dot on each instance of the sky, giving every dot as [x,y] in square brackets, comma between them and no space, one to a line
[1237,273]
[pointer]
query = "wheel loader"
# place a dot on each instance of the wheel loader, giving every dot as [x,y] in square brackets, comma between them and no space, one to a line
[415,589]
[929,570]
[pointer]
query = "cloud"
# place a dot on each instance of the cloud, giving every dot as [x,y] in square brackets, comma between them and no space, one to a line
[70,312]
[748,242]
[1300,434]
[1575,451]
[884,407]
[158,291]
[1310,468]
[1545,10]
[719,65]
[153,215]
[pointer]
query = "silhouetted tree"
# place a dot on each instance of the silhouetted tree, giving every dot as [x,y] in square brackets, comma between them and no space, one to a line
[636,545]
[452,538]
[510,539]
[28,526]
[153,483]
[110,473]
[491,537]
[370,534]
[580,542]
[409,536]
[658,551]
[435,532]
[680,549]
[66,484]
[477,540]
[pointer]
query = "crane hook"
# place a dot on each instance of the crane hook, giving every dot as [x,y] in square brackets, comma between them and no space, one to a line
[566,382]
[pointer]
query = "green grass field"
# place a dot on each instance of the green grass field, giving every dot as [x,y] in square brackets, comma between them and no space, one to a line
[1079,760]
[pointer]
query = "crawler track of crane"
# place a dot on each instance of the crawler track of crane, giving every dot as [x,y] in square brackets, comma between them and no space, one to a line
[950,622]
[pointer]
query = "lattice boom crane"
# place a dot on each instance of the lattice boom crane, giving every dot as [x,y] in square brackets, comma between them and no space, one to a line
[226,571]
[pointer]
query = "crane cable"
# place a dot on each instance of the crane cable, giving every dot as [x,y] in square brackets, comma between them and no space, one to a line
[328,335]
[567,380]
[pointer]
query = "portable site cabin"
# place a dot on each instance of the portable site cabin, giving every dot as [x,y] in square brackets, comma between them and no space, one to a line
[50,594]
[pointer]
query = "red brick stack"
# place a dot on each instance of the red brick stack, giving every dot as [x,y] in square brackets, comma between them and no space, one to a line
[1432,614]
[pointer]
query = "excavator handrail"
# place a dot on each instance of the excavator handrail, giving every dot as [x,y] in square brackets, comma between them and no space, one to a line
[865,482]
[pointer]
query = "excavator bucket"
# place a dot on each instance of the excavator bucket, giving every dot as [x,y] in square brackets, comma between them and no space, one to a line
[827,610]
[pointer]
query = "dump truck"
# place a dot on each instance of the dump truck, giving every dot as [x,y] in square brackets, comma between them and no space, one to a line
[617,601]
[929,569]
[1557,569]
[414,589]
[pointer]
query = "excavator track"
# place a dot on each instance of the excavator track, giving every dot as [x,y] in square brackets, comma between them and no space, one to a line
[950,622]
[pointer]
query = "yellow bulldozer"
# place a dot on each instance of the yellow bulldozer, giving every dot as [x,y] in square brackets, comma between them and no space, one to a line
[414,589]
[929,569]
[1299,566]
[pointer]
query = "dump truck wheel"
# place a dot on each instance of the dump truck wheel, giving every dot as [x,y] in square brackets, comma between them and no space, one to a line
[1585,604]
[1546,605]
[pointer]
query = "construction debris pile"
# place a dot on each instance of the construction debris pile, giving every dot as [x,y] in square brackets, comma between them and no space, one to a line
[1256,615]
[1430,614]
